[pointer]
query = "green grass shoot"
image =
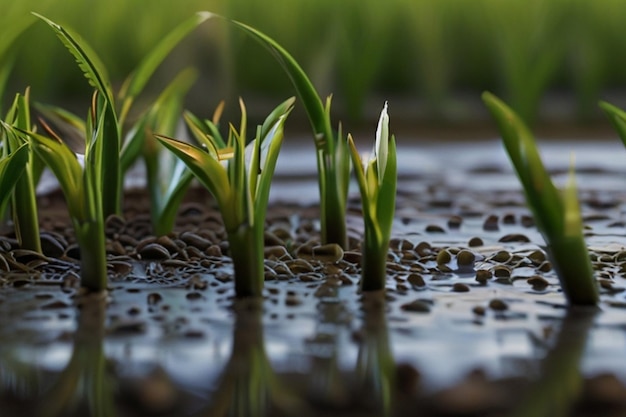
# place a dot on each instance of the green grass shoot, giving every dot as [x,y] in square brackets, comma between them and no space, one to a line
[377,179]
[239,178]
[114,118]
[23,200]
[82,188]
[333,160]
[556,214]
[12,167]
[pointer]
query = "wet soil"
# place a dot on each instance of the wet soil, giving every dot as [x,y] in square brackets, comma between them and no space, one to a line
[472,323]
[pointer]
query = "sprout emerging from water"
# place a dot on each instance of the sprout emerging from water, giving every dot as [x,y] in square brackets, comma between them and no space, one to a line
[377,178]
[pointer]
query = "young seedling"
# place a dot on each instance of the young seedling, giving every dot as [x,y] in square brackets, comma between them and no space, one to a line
[82,188]
[377,179]
[167,176]
[556,214]
[114,118]
[333,160]
[24,202]
[239,178]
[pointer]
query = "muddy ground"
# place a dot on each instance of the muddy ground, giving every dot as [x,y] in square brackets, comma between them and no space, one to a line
[472,323]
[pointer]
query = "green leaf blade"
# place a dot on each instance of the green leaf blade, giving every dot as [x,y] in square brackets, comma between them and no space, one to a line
[87,60]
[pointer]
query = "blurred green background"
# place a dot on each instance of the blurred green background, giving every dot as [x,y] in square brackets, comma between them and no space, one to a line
[547,58]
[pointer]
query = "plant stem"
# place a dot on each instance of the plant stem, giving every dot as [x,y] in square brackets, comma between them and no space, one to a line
[574,273]
[332,206]
[25,212]
[373,262]
[246,251]
[93,262]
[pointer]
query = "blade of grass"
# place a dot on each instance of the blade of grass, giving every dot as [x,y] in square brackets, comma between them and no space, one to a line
[617,117]
[137,81]
[11,169]
[333,160]
[24,202]
[557,216]
[96,74]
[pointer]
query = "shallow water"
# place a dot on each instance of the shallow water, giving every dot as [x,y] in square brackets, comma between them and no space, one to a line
[169,348]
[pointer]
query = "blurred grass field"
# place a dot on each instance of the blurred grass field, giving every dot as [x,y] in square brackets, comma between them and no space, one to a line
[430,51]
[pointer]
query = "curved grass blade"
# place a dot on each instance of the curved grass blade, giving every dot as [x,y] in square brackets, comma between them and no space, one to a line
[71,127]
[65,166]
[557,216]
[163,117]
[208,171]
[136,82]
[24,201]
[11,169]
[543,197]
[617,117]
[304,87]
[271,145]
[95,72]
[88,61]
[333,159]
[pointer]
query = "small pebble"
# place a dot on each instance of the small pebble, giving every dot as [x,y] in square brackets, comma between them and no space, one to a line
[475,241]
[498,305]
[460,287]
[416,280]
[537,282]
[483,275]
[491,223]
[416,306]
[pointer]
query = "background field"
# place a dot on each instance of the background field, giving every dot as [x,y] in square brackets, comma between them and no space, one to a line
[548,58]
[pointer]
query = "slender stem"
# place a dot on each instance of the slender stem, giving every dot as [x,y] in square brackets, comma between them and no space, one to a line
[93,261]
[333,211]
[373,262]
[571,262]
[246,251]
[25,212]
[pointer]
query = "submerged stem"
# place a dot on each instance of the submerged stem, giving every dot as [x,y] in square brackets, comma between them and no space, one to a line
[246,251]
[574,270]
[93,262]
[373,262]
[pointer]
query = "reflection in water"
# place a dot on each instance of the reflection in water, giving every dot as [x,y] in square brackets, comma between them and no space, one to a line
[248,386]
[560,380]
[83,388]
[375,370]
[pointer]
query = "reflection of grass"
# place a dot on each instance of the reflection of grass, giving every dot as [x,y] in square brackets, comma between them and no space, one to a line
[560,381]
[376,368]
[84,379]
[248,385]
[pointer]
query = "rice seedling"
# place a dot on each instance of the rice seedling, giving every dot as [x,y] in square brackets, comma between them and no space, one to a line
[556,214]
[82,187]
[24,203]
[333,160]
[116,114]
[239,178]
[377,179]
[167,176]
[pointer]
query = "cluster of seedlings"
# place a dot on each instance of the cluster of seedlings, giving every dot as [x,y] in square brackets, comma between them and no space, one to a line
[237,169]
